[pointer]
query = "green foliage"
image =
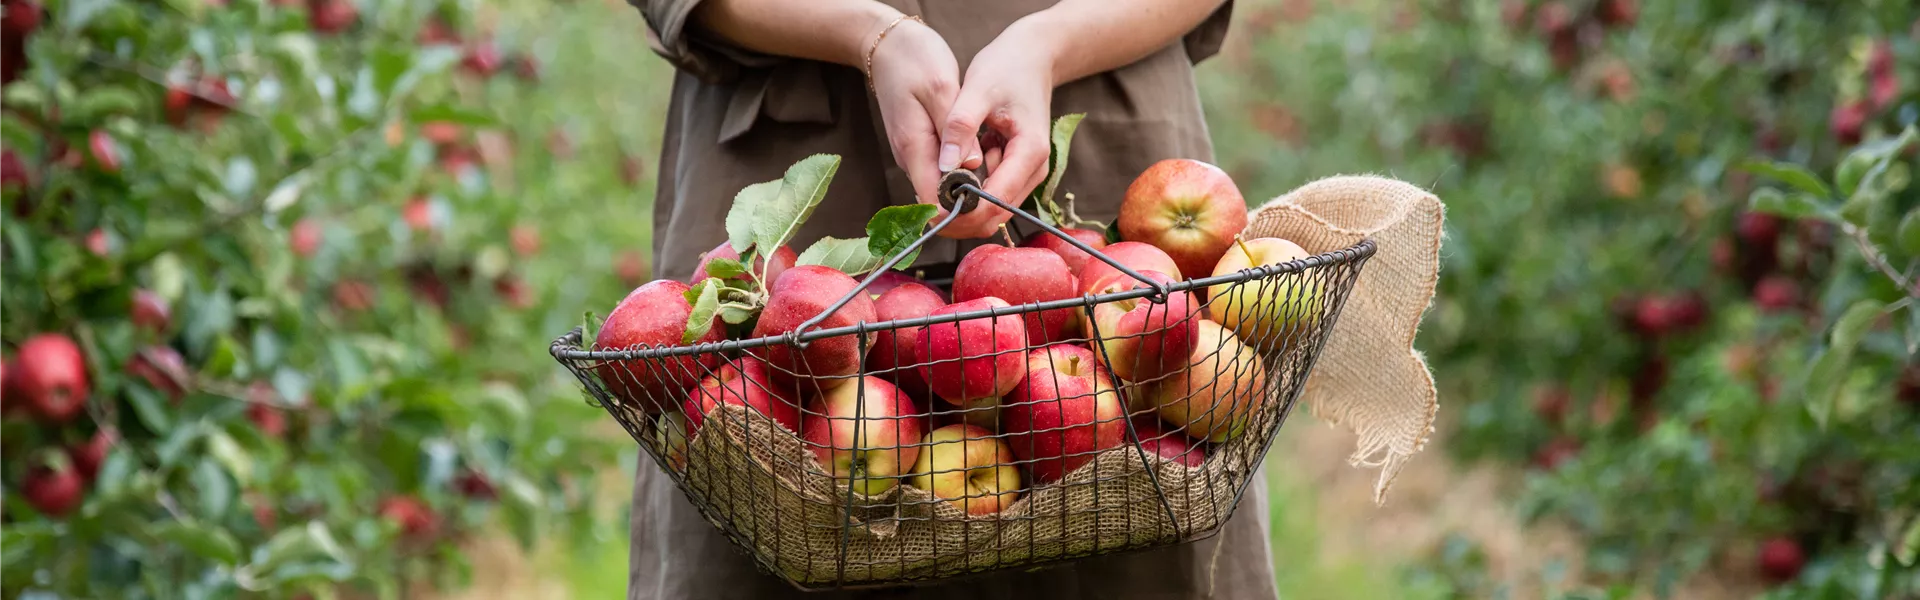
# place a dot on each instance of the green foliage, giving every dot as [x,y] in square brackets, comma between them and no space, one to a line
[348,242]
[1649,281]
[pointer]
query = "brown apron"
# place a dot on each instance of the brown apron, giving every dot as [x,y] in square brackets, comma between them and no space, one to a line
[739,118]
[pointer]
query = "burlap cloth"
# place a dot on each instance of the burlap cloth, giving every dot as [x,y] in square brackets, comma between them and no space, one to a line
[760,483]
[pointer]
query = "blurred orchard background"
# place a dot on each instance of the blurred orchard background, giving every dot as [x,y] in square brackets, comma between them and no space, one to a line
[282,275]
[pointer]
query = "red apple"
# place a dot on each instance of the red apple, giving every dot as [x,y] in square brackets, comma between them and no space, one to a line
[441,133]
[416,521]
[1074,257]
[969,468]
[1847,121]
[23,18]
[743,382]
[418,214]
[99,243]
[475,485]
[353,295]
[88,456]
[1063,412]
[1618,13]
[482,59]
[50,375]
[105,151]
[890,280]
[653,315]
[150,311]
[13,171]
[1156,440]
[1021,276]
[305,237]
[1135,255]
[1557,452]
[269,419]
[1268,312]
[163,369]
[1143,340]
[972,359]
[1777,293]
[54,488]
[783,259]
[332,16]
[514,291]
[1215,397]
[632,267]
[1781,560]
[1186,207]
[892,355]
[798,295]
[865,434]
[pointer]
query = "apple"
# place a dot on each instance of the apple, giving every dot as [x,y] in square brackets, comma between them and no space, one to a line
[744,382]
[53,488]
[1021,276]
[163,369]
[892,355]
[418,214]
[889,280]
[1214,398]
[967,360]
[475,485]
[527,68]
[482,59]
[1135,255]
[99,243]
[1271,311]
[23,18]
[966,466]
[670,436]
[632,267]
[305,237]
[654,314]
[1186,207]
[332,16]
[525,239]
[416,521]
[105,151]
[264,411]
[514,291]
[865,433]
[1143,340]
[150,311]
[1063,412]
[88,456]
[798,295]
[1157,441]
[441,133]
[783,259]
[1074,257]
[50,375]
[13,171]
[1781,559]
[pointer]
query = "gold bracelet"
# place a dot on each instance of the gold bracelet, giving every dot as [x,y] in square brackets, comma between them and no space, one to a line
[876,44]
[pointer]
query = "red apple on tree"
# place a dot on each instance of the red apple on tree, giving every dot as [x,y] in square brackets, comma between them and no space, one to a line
[1141,339]
[892,355]
[1186,207]
[1135,255]
[99,243]
[783,259]
[969,468]
[88,456]
[1173,446]
[1781,559]
[332,16]
[482,59]
[53,487]
[1215,397]
[50,375]
[743,382]
[972,359]
[150,311]
[1074,257]
[105,151]
[865,434]
[1063,412]
[802,293]
[653,315]
[416,521]
[1267,312]
[1021,276]
[305,237]
[163,369]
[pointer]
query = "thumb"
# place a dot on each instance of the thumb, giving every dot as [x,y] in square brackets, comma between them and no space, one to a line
[959,136]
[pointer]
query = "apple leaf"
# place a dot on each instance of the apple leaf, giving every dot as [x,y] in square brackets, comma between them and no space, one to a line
[452,114]
[1791,174]
[735,313]
[725,268]
[1907,236]
[847,256]
[208,542]
[705,299]
[588,323]
[893,230]
[1113,233]
[1853,324]
[747,205]
[1063,129]
[1792,206]
[776,222]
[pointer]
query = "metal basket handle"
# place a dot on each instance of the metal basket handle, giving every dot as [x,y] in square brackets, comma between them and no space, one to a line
[961,188]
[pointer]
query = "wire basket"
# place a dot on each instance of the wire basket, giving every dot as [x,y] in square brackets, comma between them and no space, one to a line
[1119,433]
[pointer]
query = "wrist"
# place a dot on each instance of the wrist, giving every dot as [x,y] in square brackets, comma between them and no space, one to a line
[866,23]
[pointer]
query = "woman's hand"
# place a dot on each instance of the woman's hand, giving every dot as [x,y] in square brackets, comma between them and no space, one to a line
[915,79]
[1008,90]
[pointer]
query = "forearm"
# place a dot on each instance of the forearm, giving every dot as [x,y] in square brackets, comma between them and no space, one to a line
[835,31]
[1094,36]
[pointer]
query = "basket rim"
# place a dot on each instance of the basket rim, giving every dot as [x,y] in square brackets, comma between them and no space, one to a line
[567,346]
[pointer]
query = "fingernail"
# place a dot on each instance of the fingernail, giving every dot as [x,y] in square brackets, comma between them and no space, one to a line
[973,160]
[949,156]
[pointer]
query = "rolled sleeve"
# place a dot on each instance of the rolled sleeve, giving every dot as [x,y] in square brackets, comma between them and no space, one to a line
[672,34]
[1205,40]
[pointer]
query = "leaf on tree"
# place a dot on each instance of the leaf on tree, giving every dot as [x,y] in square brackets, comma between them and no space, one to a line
[1791,174]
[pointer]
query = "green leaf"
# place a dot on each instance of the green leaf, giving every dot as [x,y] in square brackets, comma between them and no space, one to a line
[1907,236]
[149,407]
[98,103]
[1113,232]
[452,113]
[893,229]
[589,326]
[1853,324]
[199,538]
[1060,141]
[705,304]
[735,313]
[213,487]
[1792,206]
[230,455]
[801,191]
[747,207]
[1791,174]
[847,256]
[725,268]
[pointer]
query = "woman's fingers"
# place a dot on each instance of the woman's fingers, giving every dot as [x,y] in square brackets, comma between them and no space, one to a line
[1022,165]
[959,133]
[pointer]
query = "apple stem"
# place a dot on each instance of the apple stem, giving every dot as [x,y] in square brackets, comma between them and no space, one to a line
[1006,235]
[1242,243]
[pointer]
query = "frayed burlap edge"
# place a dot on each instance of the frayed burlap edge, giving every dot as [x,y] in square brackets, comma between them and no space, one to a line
[1369,378]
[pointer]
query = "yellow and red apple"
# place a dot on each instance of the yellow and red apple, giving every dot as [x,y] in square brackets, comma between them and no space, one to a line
[1266,312]
[1064,411]
[743,382]
[1135,255]
[1215,397]
[1188,208]
[1142,339]
[968,467]
[865,433]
